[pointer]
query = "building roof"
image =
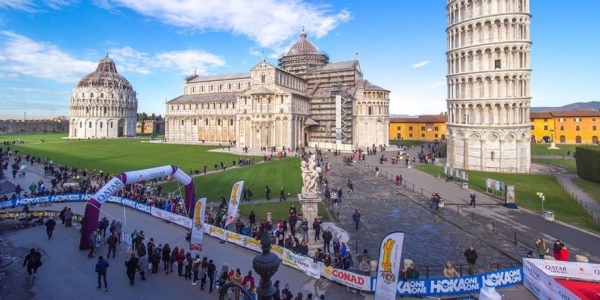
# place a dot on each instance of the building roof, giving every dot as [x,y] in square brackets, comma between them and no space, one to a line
[229,76]
[540,115]
[262,90]
[201,98]
[303,46]
[105,76]
[367,86]
[421,119]
[575,113]
[342,65]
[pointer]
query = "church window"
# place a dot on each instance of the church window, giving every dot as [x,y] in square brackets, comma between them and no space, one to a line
[435,128]
[90,125]
[87,110]
[493,154]
[562,128]
[281,99]
[231,123]
[202,89]
[105,110]
[233,105]
[100,124]
[594,128]
[248,84]
[218,122]
[410,128]
[577,128]
[196,106]
[245,101]
[220,107]
[101,95]
[410,135]
[593,119]
[182,122]
[239,85]
[422,135]
[398,128]
[229,86]
[545,127]
[214,105]
[193,89]
[206,122]
[262,78]
[80,124]
[111,124]
[211,88]
[369,110]
[497,64]
[91,95]
[194,122]
[220,87]
[422,128]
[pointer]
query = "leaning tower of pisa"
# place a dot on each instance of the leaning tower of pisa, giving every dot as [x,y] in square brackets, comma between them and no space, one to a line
[488,85]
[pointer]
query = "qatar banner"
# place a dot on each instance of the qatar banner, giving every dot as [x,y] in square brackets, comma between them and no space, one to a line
[198,226]
[180,220]
[92,209]
[302,263]
[234,202]
[566,269]
[541,284]
[389,265]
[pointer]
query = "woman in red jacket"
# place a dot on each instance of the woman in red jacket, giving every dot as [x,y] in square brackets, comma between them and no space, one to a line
[564,253]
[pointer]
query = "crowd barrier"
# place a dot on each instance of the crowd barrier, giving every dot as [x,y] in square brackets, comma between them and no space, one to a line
[416,287]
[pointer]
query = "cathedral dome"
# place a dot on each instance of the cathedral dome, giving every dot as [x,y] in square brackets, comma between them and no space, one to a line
[105,76]
[303,46]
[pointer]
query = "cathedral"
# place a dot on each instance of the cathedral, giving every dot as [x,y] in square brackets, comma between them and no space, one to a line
[103,105]
[303,101]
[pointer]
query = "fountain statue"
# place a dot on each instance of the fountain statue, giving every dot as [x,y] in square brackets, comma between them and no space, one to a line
[309,197]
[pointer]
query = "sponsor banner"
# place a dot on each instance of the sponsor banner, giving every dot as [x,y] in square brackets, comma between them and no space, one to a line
[353,280]
[108,190]
[234,202]
[463,285]
[235,238]
[253,244]
[148,174]
[215,231]
[180,220]
[302,263]
[495,185]
[389,265]
[565,269]
[198,225]
[130,203]
[536,288]
[8,215]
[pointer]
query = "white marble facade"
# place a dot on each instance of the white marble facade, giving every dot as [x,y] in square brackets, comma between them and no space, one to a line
[103,105]
[285,106]
[488,81]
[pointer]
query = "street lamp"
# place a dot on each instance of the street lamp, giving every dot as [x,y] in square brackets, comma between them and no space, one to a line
[541,195]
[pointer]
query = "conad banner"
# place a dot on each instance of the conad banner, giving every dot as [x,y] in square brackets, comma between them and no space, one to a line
[234,202]
[347,278]
[389,265]
[302,263]
[198,225]
[541,284]
[566,269]
[180,220]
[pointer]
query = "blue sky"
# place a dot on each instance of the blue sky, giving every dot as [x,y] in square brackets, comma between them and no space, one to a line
[46,46]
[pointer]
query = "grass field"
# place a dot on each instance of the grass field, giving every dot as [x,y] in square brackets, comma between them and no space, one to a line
[542,149]
[591,188]
[407,143]
[276,174]
[33,138]
[526,186]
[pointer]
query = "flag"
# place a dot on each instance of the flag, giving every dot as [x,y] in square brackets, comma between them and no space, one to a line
[198,226]
[389,265]
[234,202]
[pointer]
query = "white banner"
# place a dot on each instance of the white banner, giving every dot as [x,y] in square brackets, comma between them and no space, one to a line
[234,202]
[198,226]
[539,282]
[347,278]
[302,263]
[389,265]
[183,221]
[565,269]
[235,238]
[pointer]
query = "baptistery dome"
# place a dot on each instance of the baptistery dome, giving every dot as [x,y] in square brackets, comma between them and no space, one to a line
[103,104]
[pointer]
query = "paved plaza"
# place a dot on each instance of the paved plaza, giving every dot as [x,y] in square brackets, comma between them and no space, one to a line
[432,237]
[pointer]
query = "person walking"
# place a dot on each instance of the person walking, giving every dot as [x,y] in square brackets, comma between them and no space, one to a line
[304,226]
[111,241]
[327,237]
[350,187]
[282,195]
[473,198]
[68,218]
[268,193]
[101,267]
[471,256]
[32,261]
[92,244]
[356,217]
[50,224]
[210,272]
[132,266]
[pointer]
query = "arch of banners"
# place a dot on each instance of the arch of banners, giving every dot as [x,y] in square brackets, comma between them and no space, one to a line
[92,209]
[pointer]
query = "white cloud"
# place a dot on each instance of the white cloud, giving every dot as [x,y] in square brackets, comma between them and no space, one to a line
[270,23]
[35,6]
[22,55]
[419,64]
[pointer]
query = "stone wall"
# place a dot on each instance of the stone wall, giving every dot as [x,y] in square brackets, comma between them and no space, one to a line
[33,126]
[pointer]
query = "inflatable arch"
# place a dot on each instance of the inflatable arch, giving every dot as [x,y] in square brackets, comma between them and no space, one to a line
[92,209]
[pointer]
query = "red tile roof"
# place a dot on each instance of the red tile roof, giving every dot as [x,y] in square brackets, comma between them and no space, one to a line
[421,119]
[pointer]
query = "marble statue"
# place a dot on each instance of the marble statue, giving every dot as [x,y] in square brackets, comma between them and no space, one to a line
[310,176]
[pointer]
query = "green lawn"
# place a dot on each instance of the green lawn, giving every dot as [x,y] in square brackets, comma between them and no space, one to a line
[118,155]
[590,188]
[33,138]
[278,210]
[526,186]
[442,147]
[568,164]
[407,143]
[276,174]
[542,149]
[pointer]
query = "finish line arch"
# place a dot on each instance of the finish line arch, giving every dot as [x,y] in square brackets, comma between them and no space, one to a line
[92,209]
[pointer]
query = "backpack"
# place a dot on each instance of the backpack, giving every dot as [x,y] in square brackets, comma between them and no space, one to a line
[34,259]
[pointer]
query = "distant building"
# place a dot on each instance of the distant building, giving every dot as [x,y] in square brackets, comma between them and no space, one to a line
[420,128]
[565,127]
[150,127]
[304,101]
[488,77]
[103,104]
